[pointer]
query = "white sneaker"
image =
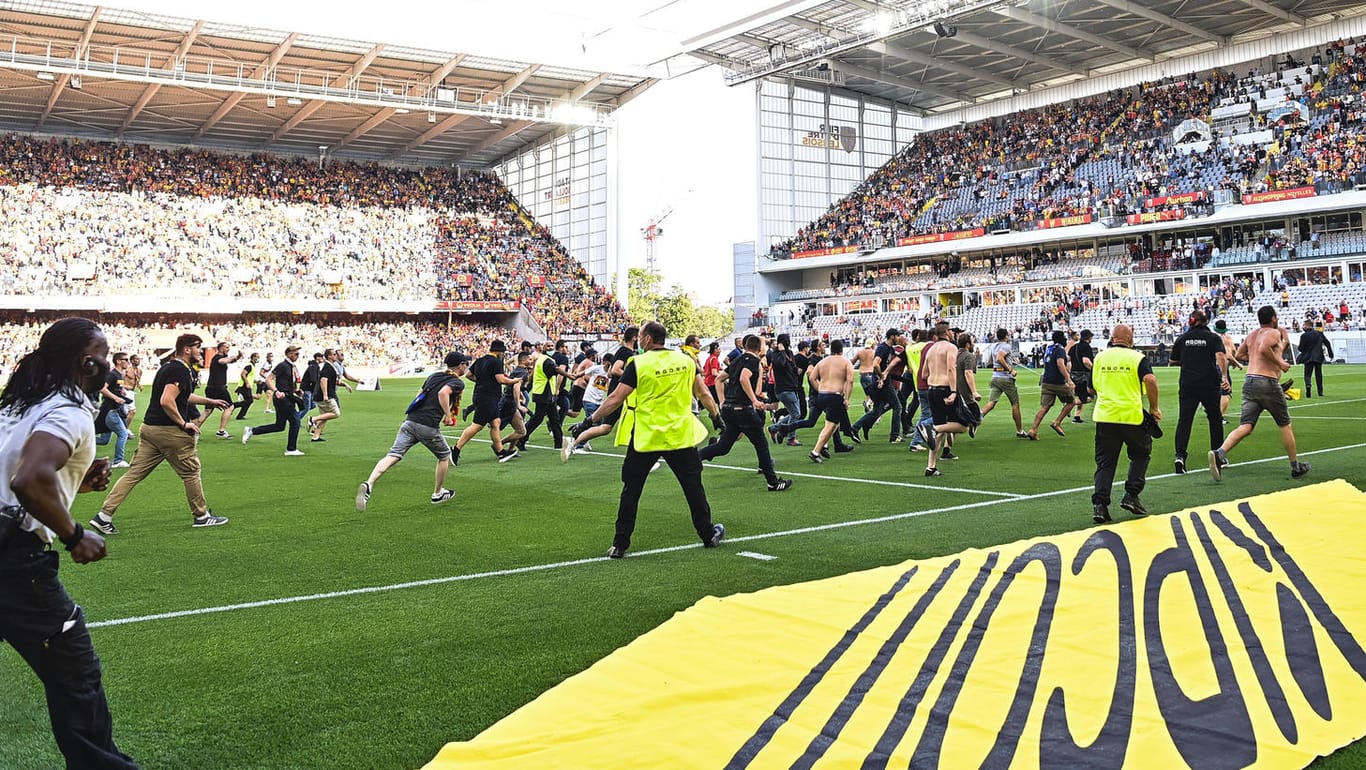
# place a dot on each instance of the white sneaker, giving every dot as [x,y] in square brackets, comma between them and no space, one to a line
[566,451]
[246,435]
[223,434]
[658,464]
[443,496]
[583,450]
[294,453]
[363,496]
[120,464]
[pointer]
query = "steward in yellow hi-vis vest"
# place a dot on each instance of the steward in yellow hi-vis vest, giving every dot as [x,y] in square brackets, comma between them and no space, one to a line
[1122,377]
[656,389]
[545,392]
[1119,396]
[658,413]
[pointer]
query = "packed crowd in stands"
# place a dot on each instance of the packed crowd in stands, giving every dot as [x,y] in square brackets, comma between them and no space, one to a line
[365,343]
[1113,150]
[99,219]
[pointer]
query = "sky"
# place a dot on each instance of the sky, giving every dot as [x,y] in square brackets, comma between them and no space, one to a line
[686,143]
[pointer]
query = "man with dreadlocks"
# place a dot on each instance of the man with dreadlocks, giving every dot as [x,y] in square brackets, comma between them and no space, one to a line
[47,456]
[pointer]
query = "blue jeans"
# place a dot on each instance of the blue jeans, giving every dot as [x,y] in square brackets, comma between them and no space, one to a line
[793,404]
[114,422]
[926,418]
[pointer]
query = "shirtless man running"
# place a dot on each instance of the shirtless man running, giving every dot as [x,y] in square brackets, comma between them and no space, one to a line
[1264,352]
[1226,389]
[940,361]
[833,379]
[866,362]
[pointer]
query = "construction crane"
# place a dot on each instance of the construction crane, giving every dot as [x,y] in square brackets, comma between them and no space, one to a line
[651,232]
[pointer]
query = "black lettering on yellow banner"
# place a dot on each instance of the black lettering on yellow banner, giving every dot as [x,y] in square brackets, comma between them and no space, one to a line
[1216,638]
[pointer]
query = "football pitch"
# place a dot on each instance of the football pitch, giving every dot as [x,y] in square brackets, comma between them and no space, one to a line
[307,635]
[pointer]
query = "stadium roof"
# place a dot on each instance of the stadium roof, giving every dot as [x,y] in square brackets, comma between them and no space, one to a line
[99,72]
[939,55]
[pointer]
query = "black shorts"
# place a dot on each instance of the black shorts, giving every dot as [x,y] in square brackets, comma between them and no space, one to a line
[941,412]
[507,411]
[576,398]
[485,411]
[1081,383]
[216,392]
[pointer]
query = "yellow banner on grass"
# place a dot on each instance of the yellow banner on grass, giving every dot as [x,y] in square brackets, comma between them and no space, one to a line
[1224,637]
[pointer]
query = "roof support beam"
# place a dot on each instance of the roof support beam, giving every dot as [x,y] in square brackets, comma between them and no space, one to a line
[635,91]
[515,82]
[901,52]
[256,74]
[509,131]
[1052,25]
[986,44]
[61,82]
[587,87]
[1180,26]
[895,80]
[348,77]
[450,122]
[151,89]
[446,69]
[366,127]
[1271,10]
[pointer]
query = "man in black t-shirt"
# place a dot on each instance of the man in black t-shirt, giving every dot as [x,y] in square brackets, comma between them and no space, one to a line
[112,419]
[489,379]
[742,413]
[325,394]
[1082,356]
[217,386]
[511,406]
[1204,370]
[422,425]
[282,387]
[167,434]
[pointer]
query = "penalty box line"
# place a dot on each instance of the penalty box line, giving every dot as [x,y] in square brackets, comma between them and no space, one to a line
[649,552]
[799,474]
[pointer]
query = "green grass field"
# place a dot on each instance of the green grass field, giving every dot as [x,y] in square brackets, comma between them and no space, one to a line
[521,597]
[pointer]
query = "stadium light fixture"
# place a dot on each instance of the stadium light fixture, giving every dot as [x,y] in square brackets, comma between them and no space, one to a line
[431,117]
[496,121]
[402,111]
[294,101]
[44,75]
[76,82]
[270,102]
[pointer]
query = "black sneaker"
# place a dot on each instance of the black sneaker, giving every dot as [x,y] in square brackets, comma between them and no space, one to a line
[853,436]
[773,433]
[1078,420]
[1298,469]
[933,472]
[443,496]
[1024,434]
[825,452]
[718,533]
[615,552]
[1180,466]
[104,525]
[842,448]
[972,431]
[1100,514]
[575,429]
[781,485]
[455,454]
[1133,505]
[506,454]
[815,458]
[948,454]
[209,520]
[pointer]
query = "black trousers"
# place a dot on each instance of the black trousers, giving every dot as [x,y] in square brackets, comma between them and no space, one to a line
[750,424]
[547,410]
[286,416]
[635,470]
[34,608]
[1110,438]
[1314,369]
[243,406]
[884,400]
[1192,399]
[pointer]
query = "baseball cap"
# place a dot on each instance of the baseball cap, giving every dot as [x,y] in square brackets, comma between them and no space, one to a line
[292,348]
[456,359]
[1220,325]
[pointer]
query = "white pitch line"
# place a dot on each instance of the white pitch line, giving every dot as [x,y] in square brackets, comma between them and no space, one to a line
[650,552]
[753,555]
[799,474]
[1319,402]
[1312,417]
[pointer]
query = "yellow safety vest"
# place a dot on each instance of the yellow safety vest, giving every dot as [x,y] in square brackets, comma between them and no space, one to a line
[657,416]
[540,383]
[1119,392]
[913,353]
